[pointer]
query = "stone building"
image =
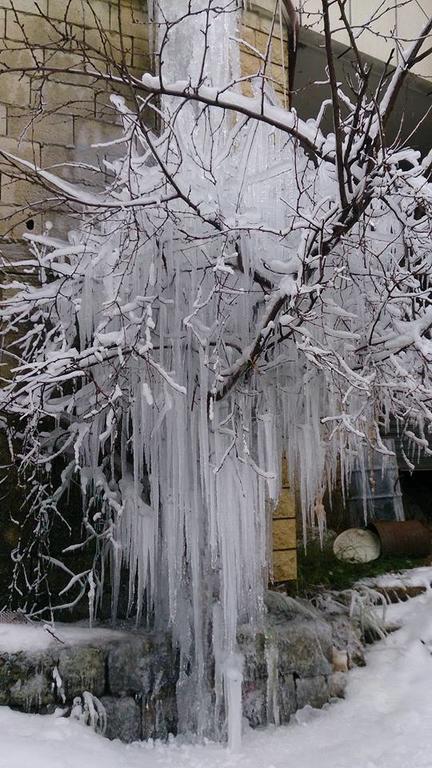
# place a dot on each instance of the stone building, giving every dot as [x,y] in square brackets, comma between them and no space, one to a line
[54,118]
[383,23]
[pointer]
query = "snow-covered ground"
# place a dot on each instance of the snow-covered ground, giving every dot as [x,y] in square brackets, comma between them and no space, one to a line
[385,722]
[414,577]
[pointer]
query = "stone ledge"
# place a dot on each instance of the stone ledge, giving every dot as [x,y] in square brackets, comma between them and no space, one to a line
[136,675]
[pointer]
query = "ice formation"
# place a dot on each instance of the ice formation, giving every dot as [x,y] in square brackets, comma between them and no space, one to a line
[140,367]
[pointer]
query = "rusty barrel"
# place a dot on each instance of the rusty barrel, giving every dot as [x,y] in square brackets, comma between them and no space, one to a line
[410,537]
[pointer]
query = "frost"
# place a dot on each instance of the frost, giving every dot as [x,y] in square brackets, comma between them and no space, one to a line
[90,711]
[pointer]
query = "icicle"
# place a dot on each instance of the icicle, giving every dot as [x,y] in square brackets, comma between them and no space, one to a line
[233,678]
[271,656]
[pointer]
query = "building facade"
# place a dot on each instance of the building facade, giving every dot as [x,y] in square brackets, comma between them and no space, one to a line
[378,27]
[52,118]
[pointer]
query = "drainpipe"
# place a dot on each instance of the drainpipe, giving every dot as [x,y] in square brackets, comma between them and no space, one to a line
[293,25]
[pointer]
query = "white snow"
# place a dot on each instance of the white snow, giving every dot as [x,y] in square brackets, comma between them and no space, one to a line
[34,637]
[414,577]
[385,722]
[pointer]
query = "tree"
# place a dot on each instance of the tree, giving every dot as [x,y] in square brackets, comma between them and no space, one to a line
[245,286]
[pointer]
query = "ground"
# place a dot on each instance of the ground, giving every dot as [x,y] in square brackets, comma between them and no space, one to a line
[384,722]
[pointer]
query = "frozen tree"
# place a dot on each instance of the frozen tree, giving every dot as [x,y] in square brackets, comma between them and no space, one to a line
[245,286]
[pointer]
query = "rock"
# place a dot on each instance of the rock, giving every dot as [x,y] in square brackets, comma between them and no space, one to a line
[138,678]
[304,646]
[286,608]
[255,702]
[123,718]
[141,666]
[287,698]
[82,668]
[337,685]
[347,637]
[130,667]
[340,660]
[26,681]
[159,717]
[253,650]
[314,691]
[259,704]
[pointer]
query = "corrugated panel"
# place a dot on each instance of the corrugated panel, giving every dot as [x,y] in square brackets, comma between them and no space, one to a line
[375,488]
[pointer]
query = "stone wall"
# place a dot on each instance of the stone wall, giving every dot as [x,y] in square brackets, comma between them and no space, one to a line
[136,676]
[52,120]
[258,26]
[284,532]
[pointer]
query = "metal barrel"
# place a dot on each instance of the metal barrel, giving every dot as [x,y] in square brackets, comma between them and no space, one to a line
[410,537]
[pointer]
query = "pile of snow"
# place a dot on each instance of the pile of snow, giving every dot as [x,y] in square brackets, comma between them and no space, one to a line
[385,722]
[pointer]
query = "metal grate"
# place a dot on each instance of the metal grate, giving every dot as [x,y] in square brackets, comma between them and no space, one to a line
[12,617]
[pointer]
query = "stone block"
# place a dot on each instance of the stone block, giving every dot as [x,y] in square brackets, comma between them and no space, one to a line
[70,62]
[63,97]
[259,699]
[3,120]
[15,55]
[253,650]
[13,221]
[255,702]
[248,35]
[141,61]
[80,12]
[91,131]
[284,534]
[312,691]
[337,685]
[110,44]
[15,89]
[26,681]
[284,567]
[123,718]
[82,669]
[134,22]
[347,637]
[286,505]
[264,23]
[27,150]
[54,129]
[250,65]
[159,717]
[30,29]
[304,646]
[286,698]
[26,6]
[131,667]
[279,53]
[18,191]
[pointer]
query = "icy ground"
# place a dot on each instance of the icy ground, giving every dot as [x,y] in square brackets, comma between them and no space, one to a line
[385,722]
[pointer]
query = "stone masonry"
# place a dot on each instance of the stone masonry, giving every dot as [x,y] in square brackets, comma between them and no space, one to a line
[52,120]
[137,679]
